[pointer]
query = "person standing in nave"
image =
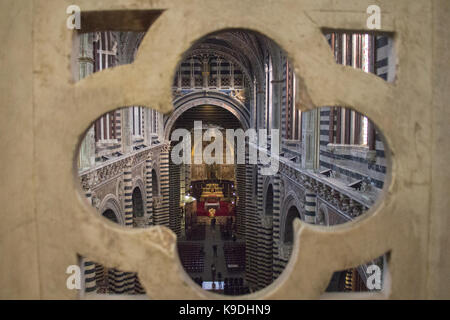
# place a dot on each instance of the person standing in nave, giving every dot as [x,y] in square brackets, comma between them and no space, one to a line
[213,272]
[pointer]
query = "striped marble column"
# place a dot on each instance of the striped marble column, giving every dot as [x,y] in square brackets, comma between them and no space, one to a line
[89,276]
[120,285]
[255,224]
[278,264]
[130,281]
[310,206]
[174,199]
[128,199]
[265,249]
[149,190]
[240,206]
[100,275]
[161,214]
[112,285]
[90,282]
[349,275]
[125,280]
[187,178]
[251,231]
[384,66]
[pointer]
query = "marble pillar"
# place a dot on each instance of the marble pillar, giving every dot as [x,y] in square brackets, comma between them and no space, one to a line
[86,67]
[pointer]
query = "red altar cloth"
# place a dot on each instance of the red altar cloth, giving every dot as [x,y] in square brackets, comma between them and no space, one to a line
[221,211]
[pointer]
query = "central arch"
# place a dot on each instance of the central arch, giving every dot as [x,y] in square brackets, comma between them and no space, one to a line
[216,99]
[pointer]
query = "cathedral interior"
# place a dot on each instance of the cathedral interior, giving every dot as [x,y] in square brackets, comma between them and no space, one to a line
[195,150]
[234,224]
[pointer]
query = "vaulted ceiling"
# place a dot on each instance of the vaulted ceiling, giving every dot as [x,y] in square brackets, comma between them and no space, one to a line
[247,49]
[209,115]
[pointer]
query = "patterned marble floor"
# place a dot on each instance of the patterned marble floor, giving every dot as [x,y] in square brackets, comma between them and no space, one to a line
[212,237]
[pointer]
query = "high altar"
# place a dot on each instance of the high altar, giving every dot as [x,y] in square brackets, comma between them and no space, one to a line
[212,190]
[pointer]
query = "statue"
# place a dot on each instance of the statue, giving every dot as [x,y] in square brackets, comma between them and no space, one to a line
[212,171]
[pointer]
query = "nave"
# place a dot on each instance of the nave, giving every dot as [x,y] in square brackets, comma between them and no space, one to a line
[220,269]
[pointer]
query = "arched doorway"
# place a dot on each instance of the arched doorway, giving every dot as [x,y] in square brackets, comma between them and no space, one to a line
[138,204]
[289,225]
[268,209]
[110,215]
[155,186]
[155,190]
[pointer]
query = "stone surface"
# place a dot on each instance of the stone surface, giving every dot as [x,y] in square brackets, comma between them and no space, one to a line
[46,223]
